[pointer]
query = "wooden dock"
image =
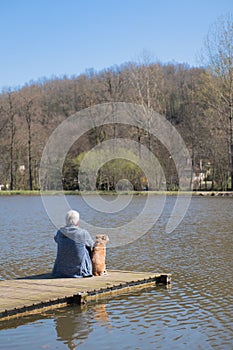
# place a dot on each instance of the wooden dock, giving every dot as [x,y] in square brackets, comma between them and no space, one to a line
[30,295]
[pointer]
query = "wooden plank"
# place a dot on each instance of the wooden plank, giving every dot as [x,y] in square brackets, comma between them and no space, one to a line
[31,294]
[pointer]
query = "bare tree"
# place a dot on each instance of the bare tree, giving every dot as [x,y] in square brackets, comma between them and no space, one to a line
[218,52]
[28,98]
[146,82]
[9,110]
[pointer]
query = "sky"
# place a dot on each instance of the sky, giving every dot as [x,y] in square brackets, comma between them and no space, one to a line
[46,38]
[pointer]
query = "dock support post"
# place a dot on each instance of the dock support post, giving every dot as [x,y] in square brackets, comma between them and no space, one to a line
[163,279]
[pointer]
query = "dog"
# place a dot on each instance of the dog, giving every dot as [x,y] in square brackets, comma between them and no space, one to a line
[101,315]
[99,255]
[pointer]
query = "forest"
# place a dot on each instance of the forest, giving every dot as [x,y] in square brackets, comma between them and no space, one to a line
[196,100]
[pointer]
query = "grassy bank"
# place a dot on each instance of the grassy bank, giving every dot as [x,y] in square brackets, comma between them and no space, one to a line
[142,193]
[19,192]
[35,193]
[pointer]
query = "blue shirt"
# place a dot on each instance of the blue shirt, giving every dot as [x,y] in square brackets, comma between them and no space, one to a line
[73,258]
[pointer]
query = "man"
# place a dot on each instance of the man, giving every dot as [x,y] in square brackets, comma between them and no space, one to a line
[74,246]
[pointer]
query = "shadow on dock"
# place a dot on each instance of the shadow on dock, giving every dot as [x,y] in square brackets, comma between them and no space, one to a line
[41,276]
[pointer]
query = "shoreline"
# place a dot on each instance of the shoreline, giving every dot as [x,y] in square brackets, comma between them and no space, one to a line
[114,193]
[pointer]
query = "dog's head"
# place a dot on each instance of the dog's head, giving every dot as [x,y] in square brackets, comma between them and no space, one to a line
[102,239]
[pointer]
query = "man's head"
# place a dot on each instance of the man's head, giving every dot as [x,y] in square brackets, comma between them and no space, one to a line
[72,218]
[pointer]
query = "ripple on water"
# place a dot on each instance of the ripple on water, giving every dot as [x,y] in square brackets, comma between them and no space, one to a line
[156,318]
[195,313]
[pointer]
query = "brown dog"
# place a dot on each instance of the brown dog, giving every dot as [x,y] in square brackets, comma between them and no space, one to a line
[98,255]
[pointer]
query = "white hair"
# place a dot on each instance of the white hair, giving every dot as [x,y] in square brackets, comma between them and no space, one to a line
[72,217]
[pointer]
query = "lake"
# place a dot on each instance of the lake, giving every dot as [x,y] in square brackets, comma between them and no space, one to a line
[195,312]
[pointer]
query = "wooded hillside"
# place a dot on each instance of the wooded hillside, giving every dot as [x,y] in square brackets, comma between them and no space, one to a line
[197,101]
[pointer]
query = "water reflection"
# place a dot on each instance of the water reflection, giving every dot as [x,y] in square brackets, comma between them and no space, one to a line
[72,327]
[101,316]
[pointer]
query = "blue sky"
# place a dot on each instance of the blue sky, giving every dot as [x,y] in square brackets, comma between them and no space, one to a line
[42,38]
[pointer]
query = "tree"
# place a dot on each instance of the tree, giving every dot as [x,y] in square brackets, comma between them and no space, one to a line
[10,111]
[30,111]
[218,53]
[145,82]
[105,175]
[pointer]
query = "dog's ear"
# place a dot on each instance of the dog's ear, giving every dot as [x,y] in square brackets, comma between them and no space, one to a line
[98,236]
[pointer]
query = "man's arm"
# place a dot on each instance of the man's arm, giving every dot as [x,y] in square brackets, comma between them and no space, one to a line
[88,240]
[56,236]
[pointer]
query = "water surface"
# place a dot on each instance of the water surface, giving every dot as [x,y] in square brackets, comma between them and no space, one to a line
[195,313]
